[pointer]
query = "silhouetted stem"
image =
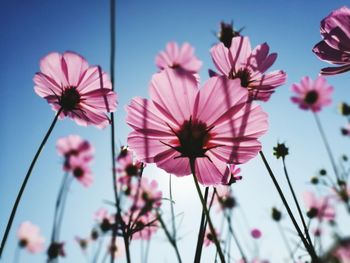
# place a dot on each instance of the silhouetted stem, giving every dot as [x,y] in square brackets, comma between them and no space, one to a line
[21,190]
[285,240]
[201,232]
[172,208]
[309,248]
[171,240]
[228,218]
[63,206]
[205,209]
[306,230]
[328,148]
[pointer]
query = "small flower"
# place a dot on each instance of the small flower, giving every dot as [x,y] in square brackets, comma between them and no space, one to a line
[145,227]
[82,92]
[276,214]
[280,151]
[319,208]
[255,233]
[312,94]
[182,122]
[342,251]
[74,145]
[81,171]
[314,180]
[224,198]
[344,109]
[233,176]
[55,250]
[335,46]
[323,172]
[30,238]
[226,33]
[117,249]
[346,130]
[128,166]
[82,242]
[249,66]
[209,238]
[178,58]
[104,219]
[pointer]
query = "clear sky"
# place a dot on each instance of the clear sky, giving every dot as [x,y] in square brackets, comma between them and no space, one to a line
[31,29]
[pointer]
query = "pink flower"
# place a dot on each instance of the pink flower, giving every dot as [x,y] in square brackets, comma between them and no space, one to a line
[319,207]
[144,228]
[74,145]
[241,62]
[83,93]
[335,46]
[224,198]
[208,238]
[81,171]
[312,94]
[256,233]
[127,166]
[118,249]
[182,122]
[104,218]
[233,176]
[176,57]
[343,252]
[30,238]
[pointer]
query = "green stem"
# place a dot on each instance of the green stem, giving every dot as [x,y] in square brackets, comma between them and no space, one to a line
[29,172]
[201,232]
[204,206]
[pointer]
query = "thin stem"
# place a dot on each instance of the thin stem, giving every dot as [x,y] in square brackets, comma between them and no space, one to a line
[228,218]
[172,208]
[98,250]
[171,240]
[328,148]
[309,248]
[201,232]
[285,240]
[204,206]
[19,195]
[306,230]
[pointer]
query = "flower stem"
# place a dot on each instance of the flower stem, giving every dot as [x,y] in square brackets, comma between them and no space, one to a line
[306,230]
[308,247]
[171,240]
[201,232]
[205,209]
[328,148]
[21,190]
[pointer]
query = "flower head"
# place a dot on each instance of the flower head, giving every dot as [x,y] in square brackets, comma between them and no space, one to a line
[276,214]
[233,176]
[55,250]
[249,66]
[280,151]
[346,130]
[128,166]
[182,122]
[80,170]
[82,92]
[255,233]
[335,46]
[312,94]
[118,248]
[344,109]
[104,219]
[178,58]
[209,238]
[74,145]
[320,208]
[226,33]
[29,237]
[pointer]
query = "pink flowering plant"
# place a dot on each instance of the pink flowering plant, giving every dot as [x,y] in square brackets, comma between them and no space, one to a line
[210,130]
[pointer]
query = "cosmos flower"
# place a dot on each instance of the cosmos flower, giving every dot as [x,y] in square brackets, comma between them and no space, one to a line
[75,89]
[233,176]
[145,227]
[255,233]
[224,198]
[249,66]
[320,208]
[81,171]
[30,238]
[226,33]
[342,252]
[182,122]
[104,219]
[74,145]
[128,166]
[178,58]
[335,46]
[149,195]
[208,238]
[312,94]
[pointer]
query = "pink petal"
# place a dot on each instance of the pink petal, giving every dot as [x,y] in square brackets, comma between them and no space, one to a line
[221,58]
[240,51]
[73,66]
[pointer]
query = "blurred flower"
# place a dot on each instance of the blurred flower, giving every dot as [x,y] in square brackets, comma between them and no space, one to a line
[145,227]
[117,249]
[346,130]
[30,238]
[104,219]
[74,145]
[128,166]
[55,250]
[82,242]
[226,33]
[255,233]
[249,66]
[181,122]
[81,170]
[209,238]
[83,93]
[224,198]
[320,208]
[344,109]
[312,95]
[280,151]
[178,58]
[276,214]
[335,46]
[342,252]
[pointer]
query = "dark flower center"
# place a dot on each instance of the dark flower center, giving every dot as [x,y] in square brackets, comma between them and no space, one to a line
[78,172]
[132,170]
[228,202]
[226,33]
[243,74]
[193,138]
[210,236]
[313,212]
[69,99]
[23,243]
[311,97]
[55,250]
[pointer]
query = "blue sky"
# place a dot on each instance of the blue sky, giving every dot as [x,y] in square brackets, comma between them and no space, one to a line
[31,29]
